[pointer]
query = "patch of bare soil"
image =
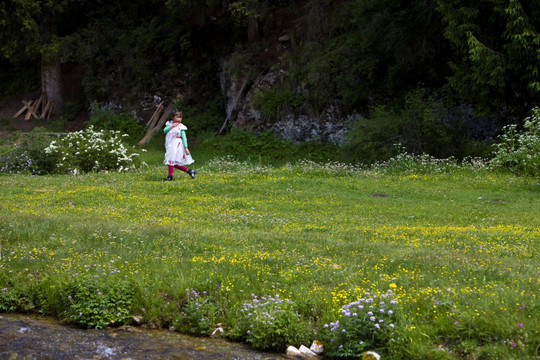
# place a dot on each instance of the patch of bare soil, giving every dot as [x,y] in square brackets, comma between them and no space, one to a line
[11,105]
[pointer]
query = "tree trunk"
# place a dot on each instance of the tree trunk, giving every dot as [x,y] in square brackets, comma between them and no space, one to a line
[253,29]
[51,84]
[51,70]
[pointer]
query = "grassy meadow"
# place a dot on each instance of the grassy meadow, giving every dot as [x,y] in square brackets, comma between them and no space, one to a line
[459,250]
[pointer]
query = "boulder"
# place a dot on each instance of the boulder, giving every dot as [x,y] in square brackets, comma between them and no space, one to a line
[371,355]
[305,351]
[292,351]
[317,347]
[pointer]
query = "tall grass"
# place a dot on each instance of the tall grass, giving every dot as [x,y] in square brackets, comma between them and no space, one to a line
[457,245]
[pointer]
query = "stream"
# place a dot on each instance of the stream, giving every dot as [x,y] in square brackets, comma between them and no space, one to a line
[36,337]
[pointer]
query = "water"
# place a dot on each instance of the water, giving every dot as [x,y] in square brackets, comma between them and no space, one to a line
[36,337]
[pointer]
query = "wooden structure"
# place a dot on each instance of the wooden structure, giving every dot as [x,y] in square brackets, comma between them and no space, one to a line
[156,122]
[40,108]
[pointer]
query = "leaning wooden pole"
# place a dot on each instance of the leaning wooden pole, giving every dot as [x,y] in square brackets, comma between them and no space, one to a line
[155,116]
[156,124]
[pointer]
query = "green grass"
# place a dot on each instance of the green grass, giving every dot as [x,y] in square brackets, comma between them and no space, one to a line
[459,249]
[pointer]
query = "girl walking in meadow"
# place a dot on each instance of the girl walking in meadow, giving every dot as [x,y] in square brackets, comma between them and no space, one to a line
[177,154]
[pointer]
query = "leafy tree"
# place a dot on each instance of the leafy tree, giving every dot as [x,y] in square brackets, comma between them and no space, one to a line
[367,48]
[56,31]
[398,43]
[252,12]
[29,29]
[497,51]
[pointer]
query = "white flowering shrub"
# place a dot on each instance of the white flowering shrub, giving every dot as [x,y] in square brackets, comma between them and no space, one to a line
[92,151]
[519,151]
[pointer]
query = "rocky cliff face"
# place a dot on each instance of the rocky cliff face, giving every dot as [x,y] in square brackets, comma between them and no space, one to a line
[327,127]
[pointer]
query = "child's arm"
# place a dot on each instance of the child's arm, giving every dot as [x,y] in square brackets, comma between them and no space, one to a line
[168,126]
[184,138]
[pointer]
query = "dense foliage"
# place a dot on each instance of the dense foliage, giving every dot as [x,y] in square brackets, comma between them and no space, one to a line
[496,57]
[367,57]
[24,153]
[116,120]
[94,304]
[368,48]
[420,123]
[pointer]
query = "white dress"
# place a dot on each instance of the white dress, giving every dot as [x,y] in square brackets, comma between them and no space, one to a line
[175,153]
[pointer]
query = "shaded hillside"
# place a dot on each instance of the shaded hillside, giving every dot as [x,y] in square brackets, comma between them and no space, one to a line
[388,72]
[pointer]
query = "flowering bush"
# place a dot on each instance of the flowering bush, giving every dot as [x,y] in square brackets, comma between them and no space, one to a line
[427,164]
[229,164]
[519,151]
[15,162]
[366,324]
[23,153]
[89,150]
[199,314]
[271,323]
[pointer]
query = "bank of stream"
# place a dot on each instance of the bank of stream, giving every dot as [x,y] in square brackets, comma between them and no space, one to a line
[32,337]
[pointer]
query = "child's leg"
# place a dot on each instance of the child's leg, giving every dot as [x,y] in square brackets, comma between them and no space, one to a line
[171,170]
[185,169]
[181,167]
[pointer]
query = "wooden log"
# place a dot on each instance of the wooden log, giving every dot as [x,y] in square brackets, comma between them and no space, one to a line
[23,109]
[164,117]
[146,137]
[49,111]
[44,104]
[46,109]
[38,104]
[30,112]
[151,125]
[159,125]
[155,115]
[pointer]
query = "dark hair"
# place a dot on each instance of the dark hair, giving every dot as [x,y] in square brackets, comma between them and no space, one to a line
[175,111]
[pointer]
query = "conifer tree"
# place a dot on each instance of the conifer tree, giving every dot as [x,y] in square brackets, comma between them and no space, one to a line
[497,52]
